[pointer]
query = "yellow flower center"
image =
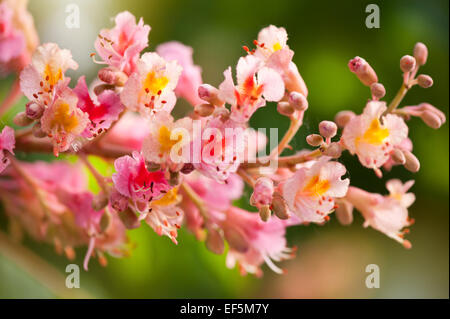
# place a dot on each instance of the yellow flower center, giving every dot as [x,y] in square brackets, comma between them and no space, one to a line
[155,84]
[315,187]
[171,197]
[63,119]
[375,134]
[276,46]
[52,77]
[165,142]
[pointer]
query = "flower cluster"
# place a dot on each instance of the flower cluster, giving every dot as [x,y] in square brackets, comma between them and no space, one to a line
[186,172]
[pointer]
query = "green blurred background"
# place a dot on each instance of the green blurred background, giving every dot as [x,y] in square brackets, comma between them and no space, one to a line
[331,259]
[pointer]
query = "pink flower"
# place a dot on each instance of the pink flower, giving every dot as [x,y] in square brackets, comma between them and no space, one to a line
[7,143]
[129,132]
[272,48]
[310,193]
[12,41]
[134,181]
[120,46]
[254,242]
[387,214]
[164,139]
[63,121]
[221,148]
[191,77]
[18,37]
[151,88]
[101,114]
[255,85]
[372,137]
[40,79]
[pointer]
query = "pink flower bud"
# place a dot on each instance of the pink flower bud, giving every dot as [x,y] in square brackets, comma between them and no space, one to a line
[298,101]
[334,150]
[99,89]
[262,192]
[112,76]
[398,157]
[420,53]
[279,206]
[33,110]
[129,219]
[412,164]
[343,117]
[378,91]
[210,94]
[429,107]
[327,129]
[264,213]
[314,139]
[222,112]
[99,201]
[431,119]
[424,80]
[407,63]
[285,108]
[236,239]
[38,131]
[344,212]
[204,109]
[363,71]
[21,119]
[214,242]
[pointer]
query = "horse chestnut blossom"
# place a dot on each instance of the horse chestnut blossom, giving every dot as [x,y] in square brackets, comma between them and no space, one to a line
[188,171]
[151,88]
[372,136]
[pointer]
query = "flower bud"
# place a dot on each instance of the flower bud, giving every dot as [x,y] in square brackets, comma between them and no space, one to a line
[378,90]
[21,119]
[129,219]
[431,119]
[214,242]
[187,168]
[209,94]
[298,101]
[204,109]
[38,131]
[412,164]
[327,129]
[363,71]
[343,117]
[236,239]
[99,89]
[100,201]
[284,108]
[153,167]
[34,111]
[424,80]
[105,221]
[431,108]
[407,63]
[344,212]
[333,150]
[279,206]
[398,157]
[420,53]
[314,139]
[262,193]
[112,76]
[264,212]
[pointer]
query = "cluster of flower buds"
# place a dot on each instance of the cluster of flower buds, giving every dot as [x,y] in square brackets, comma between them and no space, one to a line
[174,172]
